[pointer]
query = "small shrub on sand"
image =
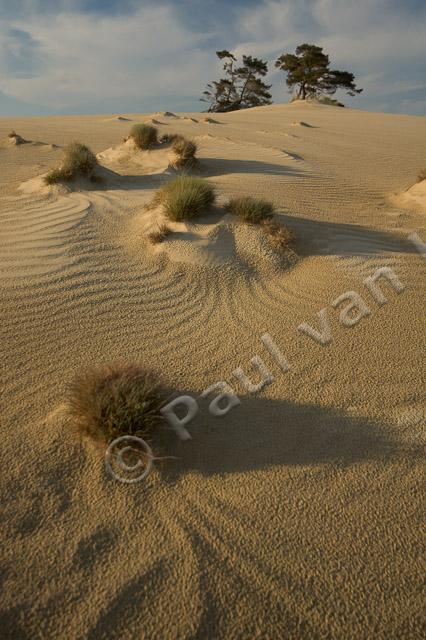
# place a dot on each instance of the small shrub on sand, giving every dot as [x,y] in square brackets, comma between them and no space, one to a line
[155,237]
[250,209]
[78,160]
[422,175]
[185,197]
[279,237]
[144,135]
[185,151]
[112,400]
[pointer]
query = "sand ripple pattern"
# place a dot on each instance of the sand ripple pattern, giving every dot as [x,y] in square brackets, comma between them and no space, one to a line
[35,236]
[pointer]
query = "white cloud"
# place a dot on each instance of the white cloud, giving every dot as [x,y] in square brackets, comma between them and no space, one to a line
[72,60]
[88,57]
[375,39]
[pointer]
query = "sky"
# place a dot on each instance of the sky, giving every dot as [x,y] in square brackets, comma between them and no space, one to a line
[117,56]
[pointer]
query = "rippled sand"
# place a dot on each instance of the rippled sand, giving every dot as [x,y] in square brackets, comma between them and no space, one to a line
[297,515]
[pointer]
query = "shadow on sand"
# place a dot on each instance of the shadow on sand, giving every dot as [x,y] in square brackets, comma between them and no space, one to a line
[261,433]
[221,166]
[316,237]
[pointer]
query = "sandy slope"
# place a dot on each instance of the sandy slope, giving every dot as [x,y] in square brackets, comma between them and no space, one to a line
[295,516]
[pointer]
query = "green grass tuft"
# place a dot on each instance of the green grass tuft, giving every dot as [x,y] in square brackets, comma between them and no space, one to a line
[250,209]
[144,135]
[185,197]
[78,161]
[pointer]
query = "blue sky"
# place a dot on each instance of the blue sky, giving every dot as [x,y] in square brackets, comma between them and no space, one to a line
[102,56]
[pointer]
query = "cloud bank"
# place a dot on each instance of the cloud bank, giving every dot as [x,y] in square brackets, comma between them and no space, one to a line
[93,56]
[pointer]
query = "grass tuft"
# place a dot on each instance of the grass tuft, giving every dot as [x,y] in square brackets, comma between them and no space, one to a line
[185,151]
[279,237]
[185,197]
[112,400]
[155,237]
[183,148]
[144,135]
[78,160]
[250,209]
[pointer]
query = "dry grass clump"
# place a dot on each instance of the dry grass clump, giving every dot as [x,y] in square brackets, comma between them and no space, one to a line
[78,160]
[250,209]
[112,400]
[155,237]
[144,135]
[260,212]
[279,237]
[185,151]
[184,198]
[422,175]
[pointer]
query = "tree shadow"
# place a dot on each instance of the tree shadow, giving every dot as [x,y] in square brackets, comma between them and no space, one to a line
[317,237]
[261,433]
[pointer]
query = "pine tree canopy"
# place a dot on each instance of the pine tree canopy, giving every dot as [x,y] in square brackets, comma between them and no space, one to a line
[241,88]
[309,71]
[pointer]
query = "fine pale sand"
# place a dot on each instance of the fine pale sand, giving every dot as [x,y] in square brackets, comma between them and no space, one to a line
[296,515]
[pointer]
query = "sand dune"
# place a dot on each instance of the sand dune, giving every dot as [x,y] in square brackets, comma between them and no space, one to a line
[414,197]
[117,119]
[15,140]
[296,515]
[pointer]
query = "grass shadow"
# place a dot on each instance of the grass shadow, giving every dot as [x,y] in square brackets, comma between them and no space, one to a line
[221,166]
[317,237]
[261,433]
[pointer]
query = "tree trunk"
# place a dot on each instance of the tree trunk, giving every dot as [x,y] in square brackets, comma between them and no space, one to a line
[244,89]
[303,91]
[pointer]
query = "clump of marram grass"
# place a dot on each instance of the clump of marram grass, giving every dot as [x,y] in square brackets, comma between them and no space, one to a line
[250,209]
[155,237]
[184,151]
[112,400]
[422,175]
[78,161]
[184,198]
[144,136]
[279,237]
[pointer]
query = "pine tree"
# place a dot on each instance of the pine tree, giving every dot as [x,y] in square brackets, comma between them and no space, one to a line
[309,70]
[241,88]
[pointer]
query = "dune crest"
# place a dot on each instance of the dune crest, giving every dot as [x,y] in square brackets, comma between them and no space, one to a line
[212,240]
[118,119]
[15,140]
[128,153]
